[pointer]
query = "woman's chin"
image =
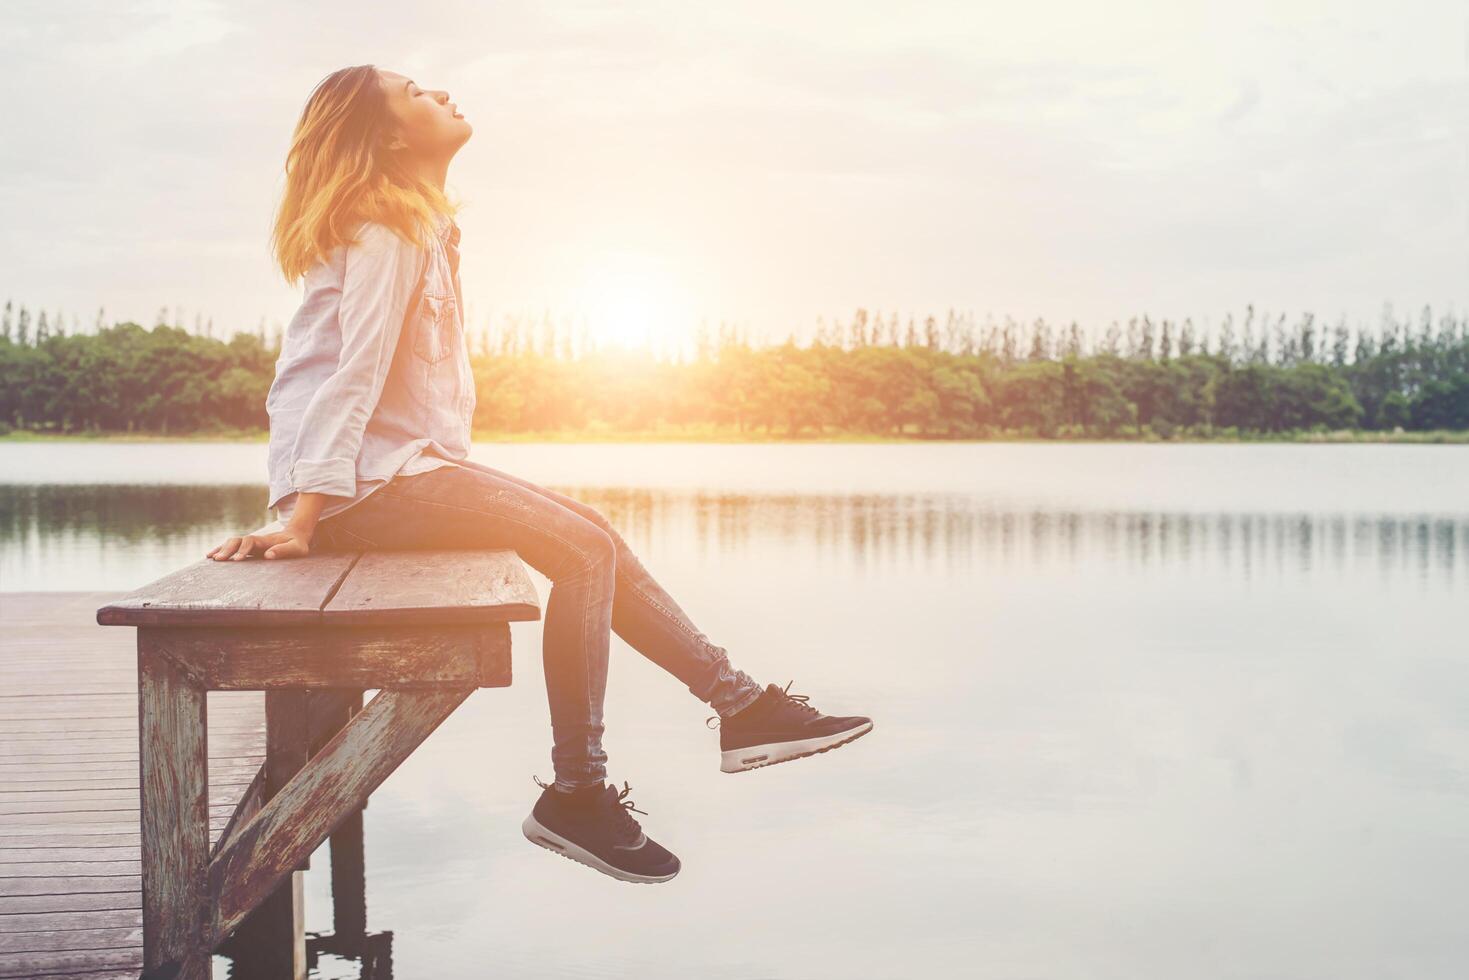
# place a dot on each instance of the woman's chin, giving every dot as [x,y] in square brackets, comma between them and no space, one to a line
[463,132]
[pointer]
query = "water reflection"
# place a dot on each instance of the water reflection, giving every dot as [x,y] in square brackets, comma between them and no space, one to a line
[53,536]
[329,956]
[1191,726]
[955,531]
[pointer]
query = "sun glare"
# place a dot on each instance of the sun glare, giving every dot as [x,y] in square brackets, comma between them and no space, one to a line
[632,300]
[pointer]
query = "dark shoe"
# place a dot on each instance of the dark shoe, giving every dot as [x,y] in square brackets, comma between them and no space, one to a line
[779,727]
[593,826]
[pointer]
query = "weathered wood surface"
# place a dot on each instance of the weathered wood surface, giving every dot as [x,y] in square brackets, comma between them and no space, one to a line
[424,627]
[434,587]
[334,783]
[354,657]
[330,713]
[277,928]
[175,812]
[373,588]
[70,850]
[271,941]
[254,592]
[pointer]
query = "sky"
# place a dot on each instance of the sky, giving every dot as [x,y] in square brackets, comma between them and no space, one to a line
[642,166]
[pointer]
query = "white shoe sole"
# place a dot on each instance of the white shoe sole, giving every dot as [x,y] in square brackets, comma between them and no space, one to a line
[554,842]
[755,756]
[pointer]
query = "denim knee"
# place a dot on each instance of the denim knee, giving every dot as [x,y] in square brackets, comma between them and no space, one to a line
[595,550]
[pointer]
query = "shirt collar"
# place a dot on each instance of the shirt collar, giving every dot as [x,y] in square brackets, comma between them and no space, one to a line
[446,229]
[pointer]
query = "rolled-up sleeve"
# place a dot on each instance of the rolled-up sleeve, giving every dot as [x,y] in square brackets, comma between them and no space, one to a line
[381,275]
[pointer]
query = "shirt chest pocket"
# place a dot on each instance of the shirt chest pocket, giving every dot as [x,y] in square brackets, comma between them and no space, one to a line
[436,327]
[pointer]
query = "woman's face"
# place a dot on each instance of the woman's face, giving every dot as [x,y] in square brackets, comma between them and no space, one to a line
[427,121]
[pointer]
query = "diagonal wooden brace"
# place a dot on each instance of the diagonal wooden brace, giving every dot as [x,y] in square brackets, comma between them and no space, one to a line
[330,786]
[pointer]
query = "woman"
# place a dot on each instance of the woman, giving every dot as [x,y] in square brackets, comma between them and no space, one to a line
[370,416]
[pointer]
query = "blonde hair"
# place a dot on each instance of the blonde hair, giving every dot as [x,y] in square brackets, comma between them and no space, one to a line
[340,173]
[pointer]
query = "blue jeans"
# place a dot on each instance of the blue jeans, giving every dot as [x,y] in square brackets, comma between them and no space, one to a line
[597,586]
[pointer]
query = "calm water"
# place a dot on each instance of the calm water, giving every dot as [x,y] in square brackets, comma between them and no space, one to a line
[1141,711]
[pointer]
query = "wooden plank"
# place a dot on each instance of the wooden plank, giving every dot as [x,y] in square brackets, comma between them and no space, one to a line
[434,587]
[49,824]
[354,657]
[234,722]
[69,940]
[38,729]
[95,901]
[128,795]
[21,855]
[244,743]
[16,761]
[21,825]
[120,780]
[376,588]
[69,806]
[76,885]
[65,712]
[67,708]
[64,769]
[71,920]
[39,826]
[175,818]
[254,592]
[74,844]
[65,869]
[92,816]
[35,966]
[335,782]
[76,838]
[58,685]
[84,730]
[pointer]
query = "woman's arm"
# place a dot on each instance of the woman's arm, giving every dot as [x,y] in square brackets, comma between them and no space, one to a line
[380,280]
[381,276]
[291,541]
[305,514]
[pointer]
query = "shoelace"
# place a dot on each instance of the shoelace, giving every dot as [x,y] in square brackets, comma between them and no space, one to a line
[626,789]
[624,805]
[799,700]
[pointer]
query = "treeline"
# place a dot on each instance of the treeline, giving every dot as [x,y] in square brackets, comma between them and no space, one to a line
[870,374]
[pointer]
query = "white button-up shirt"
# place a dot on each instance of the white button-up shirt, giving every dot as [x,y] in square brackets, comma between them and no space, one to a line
[373,377]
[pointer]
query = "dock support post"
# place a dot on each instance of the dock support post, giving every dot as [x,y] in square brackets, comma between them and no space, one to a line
[271,943]
[174,796]
[330,712]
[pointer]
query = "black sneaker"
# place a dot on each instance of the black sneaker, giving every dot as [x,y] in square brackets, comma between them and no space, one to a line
[593,826]
[780,726]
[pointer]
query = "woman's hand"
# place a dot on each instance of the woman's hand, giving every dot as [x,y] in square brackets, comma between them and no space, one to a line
[288,543]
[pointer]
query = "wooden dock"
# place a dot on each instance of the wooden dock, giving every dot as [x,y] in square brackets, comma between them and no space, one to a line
[70,894]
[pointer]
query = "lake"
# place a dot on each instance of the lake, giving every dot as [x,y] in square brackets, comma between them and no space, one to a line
[1140,710]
